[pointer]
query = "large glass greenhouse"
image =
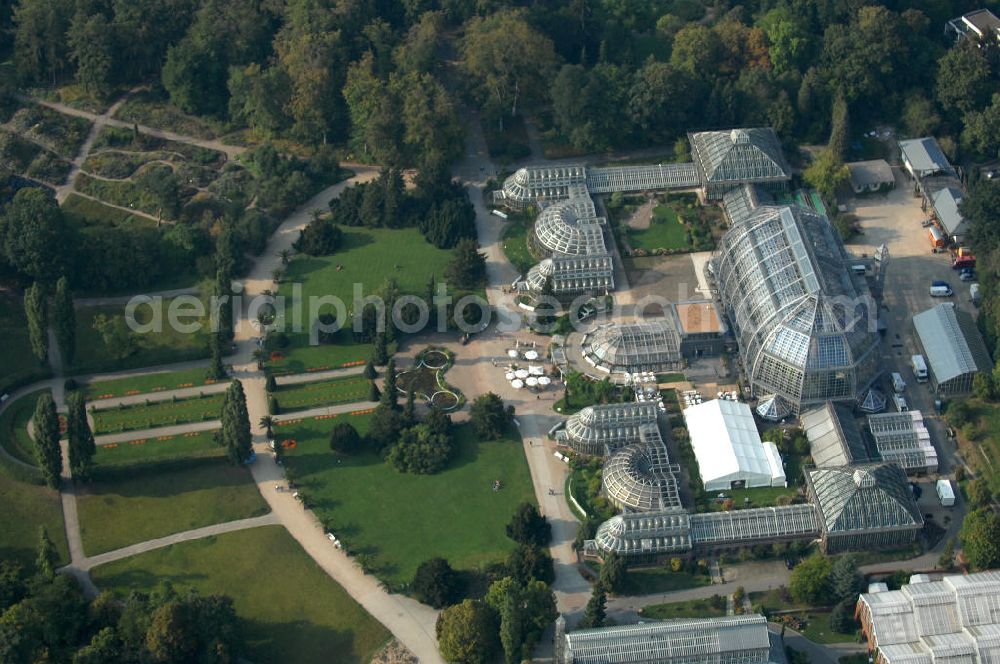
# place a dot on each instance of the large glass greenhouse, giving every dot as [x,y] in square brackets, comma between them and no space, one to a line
[640,478]
[561,229]
[801,318]
[864,506]
[602,429]
[726,159]
[633,347]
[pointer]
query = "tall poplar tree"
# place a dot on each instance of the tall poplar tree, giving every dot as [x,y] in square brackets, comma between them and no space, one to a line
[235,433]
[47,452]
[36,312]
[81,439]
[64,320]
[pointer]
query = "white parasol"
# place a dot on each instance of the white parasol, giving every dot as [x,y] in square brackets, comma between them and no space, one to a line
[544,380]
[531,381]
[531,355]
[512,353]
[521,373]
[517,384]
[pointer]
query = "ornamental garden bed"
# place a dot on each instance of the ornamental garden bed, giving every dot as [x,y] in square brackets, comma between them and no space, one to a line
[157,414]
[426,379]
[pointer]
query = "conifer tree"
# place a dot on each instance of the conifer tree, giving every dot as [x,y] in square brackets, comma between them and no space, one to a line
[216,370]
[370,373]
[235,434]
[81,439]
[410,408]
[46,557]
[596,611]
[36,312]
[64,321]
[389,385]
[380,350]
[47,452]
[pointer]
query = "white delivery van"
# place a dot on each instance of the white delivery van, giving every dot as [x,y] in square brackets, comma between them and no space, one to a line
[859,269]
[900,403]
[919,368]
[974,294]
[945,492]
[940,291]
[898,384]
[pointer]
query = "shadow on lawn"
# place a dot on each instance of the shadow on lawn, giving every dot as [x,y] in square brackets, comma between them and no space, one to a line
[298,640]
[155,482]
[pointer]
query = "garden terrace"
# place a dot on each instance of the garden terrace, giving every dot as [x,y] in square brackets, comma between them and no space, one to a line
[426,380]
[127,507]
[156,414]
[62,134]
[146,383]
[302,396]
[398,520]
[148,452]
[302,616]
[31,160]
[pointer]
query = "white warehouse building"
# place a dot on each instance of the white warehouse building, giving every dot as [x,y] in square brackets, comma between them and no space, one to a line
[728,448]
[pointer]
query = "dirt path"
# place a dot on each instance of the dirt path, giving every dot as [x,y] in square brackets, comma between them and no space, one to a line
[642,218]
[99,122]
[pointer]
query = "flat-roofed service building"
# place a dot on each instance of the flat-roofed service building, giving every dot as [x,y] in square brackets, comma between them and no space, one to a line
[871,176]
[953,347]
[700,326]
[904,439]
[835,439]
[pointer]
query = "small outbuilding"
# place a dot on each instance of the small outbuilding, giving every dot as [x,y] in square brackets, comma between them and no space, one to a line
[871,176]
[728,448]
[923,157]
[946,493]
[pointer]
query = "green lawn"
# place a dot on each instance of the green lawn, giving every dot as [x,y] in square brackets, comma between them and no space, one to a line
[19,366]
[322,393]
[14,424]
[153,450]
[133,507]
[294,612]
[695,608]
[666,231]
[156,382]
[817,629]
[760,497]
[650,580]
[515,241]
[26,507]
[400,520]
[368,257]
[150,349]
[775,600]
[157,414]
[979,440]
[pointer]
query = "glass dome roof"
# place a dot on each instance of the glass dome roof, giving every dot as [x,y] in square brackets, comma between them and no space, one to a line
[633,347]
[560,229]
[641,478]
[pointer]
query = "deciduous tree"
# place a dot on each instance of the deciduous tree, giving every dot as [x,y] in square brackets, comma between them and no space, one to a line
[467,633]
[435,583]
[810,581]
[489,417]
[527,526]
[980,538]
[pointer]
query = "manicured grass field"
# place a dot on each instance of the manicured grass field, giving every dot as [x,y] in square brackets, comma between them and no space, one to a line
[157,382]
[134,507]
[153,450]
[19,366]
[695,608]
[323,393]
[26,507]
[14,425]
[666,231]
[151,349]
[662,580]
[515,242]
[759,497]
[400,520]
[293,611]
[157,414]
[817,629]
[368,257]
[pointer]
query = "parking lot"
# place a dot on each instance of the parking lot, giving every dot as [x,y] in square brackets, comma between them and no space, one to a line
[895,219]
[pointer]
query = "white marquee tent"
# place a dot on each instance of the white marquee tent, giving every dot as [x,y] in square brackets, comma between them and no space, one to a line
[729,450]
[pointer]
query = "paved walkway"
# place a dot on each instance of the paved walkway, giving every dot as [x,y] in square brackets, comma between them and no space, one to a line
[157,397]
[325,411]
[316,376]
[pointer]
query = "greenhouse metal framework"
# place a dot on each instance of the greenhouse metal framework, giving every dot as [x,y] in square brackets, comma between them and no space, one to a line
[729,640]
[725,160]
[953,347]
[640,478]
[603,429]
[802,320]
[903,438]
[835,439]
[649,535]
[632,347]
[863,506]
[572,274]
[954,619]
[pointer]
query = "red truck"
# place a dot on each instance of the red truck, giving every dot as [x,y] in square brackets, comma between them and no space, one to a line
[963,258]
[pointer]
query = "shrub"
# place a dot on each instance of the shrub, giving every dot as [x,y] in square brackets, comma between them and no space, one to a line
[272,406]
[70,385]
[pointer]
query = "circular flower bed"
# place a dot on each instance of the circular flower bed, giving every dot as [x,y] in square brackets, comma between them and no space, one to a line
[444,400]
[434,359]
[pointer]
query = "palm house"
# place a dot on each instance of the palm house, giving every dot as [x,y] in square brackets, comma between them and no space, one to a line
[528,185]
[572,274]
[864,506]
[602,429]
[640,478]
[632,347]
[805,325]
[725,160]
[565,228]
